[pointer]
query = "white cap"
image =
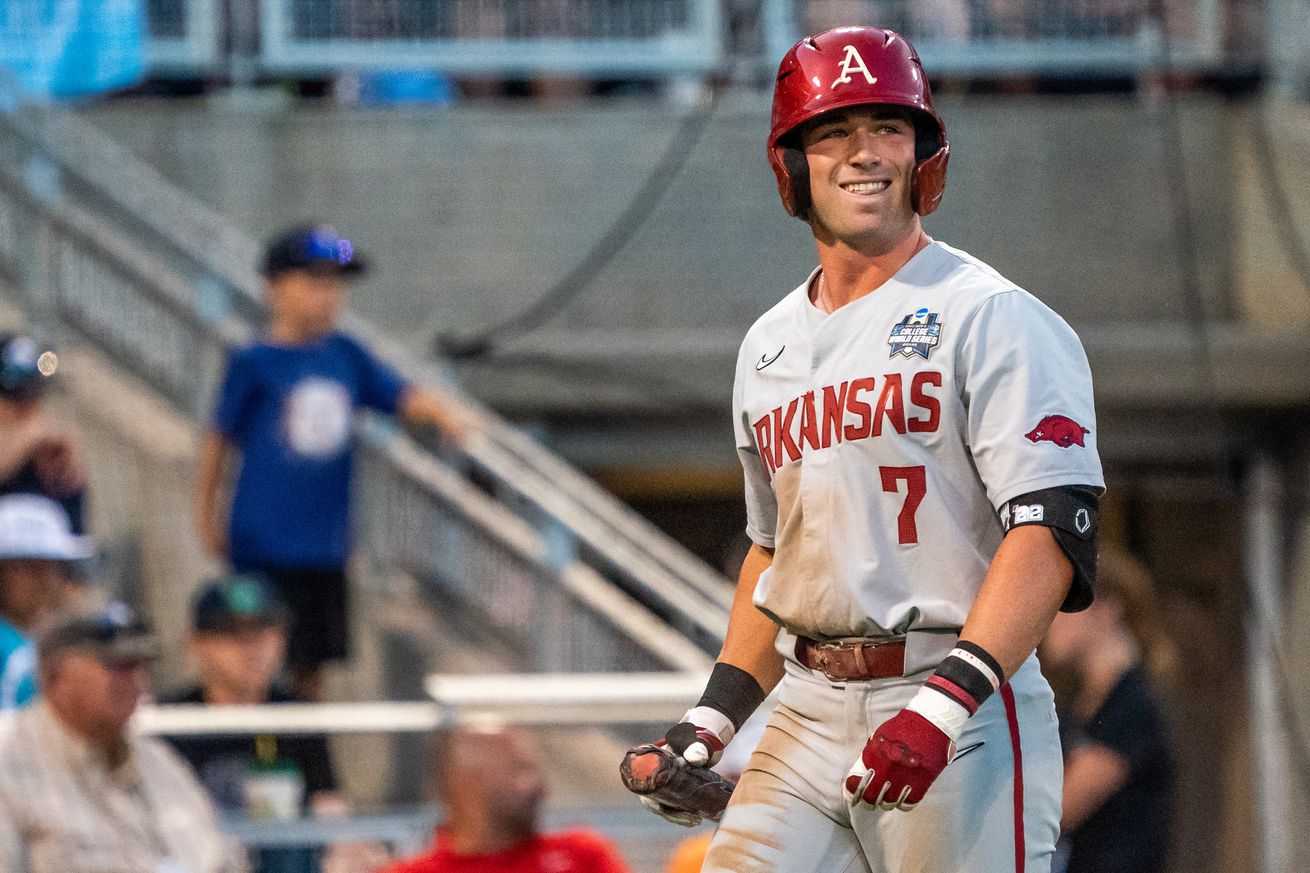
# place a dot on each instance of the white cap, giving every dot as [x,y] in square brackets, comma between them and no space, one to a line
[32,526]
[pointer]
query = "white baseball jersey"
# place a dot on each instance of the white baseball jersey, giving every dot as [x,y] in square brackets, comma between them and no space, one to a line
[880,441]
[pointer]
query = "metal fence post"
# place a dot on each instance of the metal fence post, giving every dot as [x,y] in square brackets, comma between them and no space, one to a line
[1264,535]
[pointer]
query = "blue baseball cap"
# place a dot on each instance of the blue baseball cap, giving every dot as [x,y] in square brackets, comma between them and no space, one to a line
[313,247]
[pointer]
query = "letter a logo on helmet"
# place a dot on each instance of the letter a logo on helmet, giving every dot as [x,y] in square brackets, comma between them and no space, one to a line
[853,66]
[853,62]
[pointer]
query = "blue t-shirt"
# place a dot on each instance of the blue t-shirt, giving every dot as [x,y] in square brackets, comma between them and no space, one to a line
[17,667]
[290,410]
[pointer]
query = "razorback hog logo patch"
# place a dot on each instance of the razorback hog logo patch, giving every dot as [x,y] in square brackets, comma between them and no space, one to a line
[1058,429]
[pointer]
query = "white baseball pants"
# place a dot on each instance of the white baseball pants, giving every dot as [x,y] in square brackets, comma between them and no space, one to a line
[994,809]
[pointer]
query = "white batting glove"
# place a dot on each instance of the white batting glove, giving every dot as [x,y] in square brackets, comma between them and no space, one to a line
[701,736]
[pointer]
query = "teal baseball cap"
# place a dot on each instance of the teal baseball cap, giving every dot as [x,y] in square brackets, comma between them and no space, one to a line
[240,600]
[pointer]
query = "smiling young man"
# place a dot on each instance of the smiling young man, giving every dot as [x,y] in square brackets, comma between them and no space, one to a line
[918,440]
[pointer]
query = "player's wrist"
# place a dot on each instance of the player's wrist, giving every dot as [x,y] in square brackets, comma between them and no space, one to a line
[945,714]
[732,693]
[707,718]
[969,675]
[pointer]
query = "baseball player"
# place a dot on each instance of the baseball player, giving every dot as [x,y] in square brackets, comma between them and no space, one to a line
[919,448]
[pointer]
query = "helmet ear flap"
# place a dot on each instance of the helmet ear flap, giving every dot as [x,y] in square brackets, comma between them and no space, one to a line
[797,199]
[930,181]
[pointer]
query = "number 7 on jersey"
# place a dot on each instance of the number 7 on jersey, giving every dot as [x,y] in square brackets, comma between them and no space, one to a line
[916,485]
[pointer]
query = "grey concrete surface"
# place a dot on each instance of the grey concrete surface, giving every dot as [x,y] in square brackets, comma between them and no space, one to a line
[472,212]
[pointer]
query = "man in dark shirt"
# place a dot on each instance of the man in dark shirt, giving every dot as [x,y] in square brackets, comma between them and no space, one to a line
[238,644]
[38,453]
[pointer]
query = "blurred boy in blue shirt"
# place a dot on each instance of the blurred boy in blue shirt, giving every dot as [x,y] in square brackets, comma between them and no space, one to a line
[286,409]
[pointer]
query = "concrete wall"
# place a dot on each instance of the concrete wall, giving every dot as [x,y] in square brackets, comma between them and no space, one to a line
[471,213]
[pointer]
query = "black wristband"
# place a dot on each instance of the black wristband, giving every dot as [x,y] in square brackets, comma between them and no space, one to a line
[733,692]
[969,676]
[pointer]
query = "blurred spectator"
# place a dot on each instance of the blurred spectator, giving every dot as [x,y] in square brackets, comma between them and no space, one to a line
[490,783]
[238,644]
[37,554]
[1118,774]
[78,791]
[38,453]
[287,405]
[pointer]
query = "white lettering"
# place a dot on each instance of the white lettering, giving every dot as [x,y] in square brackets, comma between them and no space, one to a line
[1029,514]
[852,63]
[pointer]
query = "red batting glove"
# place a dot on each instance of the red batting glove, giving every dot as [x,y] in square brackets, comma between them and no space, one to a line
[909,751]
[902,758]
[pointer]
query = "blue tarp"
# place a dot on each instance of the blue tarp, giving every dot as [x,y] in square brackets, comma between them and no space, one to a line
[72,48]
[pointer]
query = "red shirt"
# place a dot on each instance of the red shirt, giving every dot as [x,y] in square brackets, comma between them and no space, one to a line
[567,852]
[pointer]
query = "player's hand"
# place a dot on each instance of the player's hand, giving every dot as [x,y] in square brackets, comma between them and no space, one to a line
[700,737]
[899,762]
[698,740]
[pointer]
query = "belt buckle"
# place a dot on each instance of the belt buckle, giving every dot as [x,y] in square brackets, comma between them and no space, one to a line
[823,653]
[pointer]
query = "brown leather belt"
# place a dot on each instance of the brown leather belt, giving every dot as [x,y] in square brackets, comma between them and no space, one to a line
[855,659]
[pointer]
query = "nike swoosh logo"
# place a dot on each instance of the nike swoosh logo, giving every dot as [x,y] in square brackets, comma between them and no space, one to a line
[765,360]
[960,753]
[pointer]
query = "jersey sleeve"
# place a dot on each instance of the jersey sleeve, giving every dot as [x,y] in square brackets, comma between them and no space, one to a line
[761,504]
[381,386]
[235,394]
[1027,391]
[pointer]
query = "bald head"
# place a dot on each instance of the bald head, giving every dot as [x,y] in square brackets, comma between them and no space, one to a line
[490,773]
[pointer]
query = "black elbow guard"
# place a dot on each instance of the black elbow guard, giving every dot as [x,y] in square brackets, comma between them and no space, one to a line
[1070,512]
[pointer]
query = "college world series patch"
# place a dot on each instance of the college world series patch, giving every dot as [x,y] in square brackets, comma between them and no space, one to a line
[916,334]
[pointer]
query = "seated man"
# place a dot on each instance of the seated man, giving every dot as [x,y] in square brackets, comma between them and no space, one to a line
[38,551]
[490,783]
[238,645]
[78,791]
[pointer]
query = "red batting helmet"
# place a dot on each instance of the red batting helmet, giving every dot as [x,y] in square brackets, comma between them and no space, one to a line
[850,66]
